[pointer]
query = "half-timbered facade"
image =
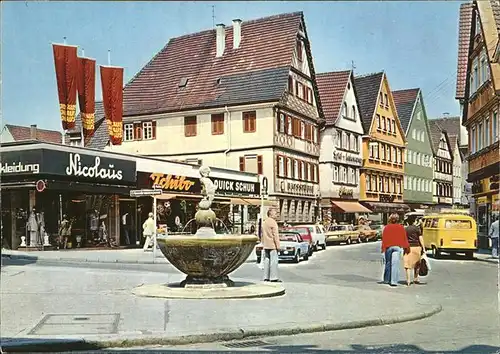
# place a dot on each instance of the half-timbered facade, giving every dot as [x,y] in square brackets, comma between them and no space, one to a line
[443,166]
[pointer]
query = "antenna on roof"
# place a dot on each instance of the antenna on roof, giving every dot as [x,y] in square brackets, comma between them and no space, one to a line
[353,66]
[213,15]
[109,56]
[64,40]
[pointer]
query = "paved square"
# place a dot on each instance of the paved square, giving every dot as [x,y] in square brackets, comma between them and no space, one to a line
[57,324]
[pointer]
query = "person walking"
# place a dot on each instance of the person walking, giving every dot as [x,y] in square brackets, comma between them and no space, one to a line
[149,230]
[493,234]
[412,259]
[394,241]
[271,245]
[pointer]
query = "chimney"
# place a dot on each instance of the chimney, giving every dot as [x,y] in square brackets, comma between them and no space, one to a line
[236,33]
[33,132]
[220,39]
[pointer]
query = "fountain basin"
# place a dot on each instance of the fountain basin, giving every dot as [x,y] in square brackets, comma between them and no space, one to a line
[207,260]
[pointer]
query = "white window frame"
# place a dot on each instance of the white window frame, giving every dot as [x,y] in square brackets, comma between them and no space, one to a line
[295,169]
[302,129]
[147,130]
[128,129]
[335,173]
[281,166]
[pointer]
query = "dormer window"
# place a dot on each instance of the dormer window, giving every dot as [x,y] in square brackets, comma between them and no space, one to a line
[183,82]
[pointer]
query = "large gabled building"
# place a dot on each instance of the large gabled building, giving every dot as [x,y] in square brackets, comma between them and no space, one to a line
[242,97]
[418,155]
[341,147]
[478,90]
[384,145]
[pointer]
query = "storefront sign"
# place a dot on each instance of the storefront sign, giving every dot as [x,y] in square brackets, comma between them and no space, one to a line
[183,184]
[445,200]
[227,186]
[296,188]
[386,198]
[172,182]
[94,170]
[19,168]
[345,157]
[346,192]
[76,166]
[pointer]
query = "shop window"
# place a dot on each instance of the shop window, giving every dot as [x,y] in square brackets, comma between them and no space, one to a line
[249,122]
[190,124]
[217,124]
[128,132]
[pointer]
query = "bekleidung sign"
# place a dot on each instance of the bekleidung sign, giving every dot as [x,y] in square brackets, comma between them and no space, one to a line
[70,165]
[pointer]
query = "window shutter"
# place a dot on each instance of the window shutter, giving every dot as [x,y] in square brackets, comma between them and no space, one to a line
[259,164]
[286,166]
[242,163]
[137,131]
[278,165]
[290,84]
[246,127]
[154,129]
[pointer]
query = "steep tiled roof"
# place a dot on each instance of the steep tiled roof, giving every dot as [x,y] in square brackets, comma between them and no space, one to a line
[450,124]
[464,34]
[252,73]
[405,101]
[20,133]
[100,138]
[435,131]
[367,89]
[332,87]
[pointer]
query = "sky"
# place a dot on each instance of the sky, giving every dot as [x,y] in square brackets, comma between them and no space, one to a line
[414,42]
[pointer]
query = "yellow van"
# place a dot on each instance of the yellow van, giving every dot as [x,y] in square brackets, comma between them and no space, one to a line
[450,233]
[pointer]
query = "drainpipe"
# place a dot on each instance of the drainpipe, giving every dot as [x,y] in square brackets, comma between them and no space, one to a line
[229,132]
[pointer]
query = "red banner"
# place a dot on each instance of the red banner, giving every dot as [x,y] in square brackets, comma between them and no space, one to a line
[86,94]
[66,63]
[112,99]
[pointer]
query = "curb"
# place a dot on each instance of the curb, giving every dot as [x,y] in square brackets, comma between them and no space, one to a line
[487,260]
[160,260]
[41,345]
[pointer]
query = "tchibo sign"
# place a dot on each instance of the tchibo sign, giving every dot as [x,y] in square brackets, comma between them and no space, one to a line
[19,167]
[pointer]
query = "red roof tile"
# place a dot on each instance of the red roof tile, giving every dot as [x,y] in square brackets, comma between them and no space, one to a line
[20,133]
[332,87]
[266,43]
[464,34]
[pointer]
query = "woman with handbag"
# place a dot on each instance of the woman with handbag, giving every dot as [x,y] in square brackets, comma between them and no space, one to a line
[394,242]
[412,259]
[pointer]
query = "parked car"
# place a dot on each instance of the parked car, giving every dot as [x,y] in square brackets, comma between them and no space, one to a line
[366,234]
[306,235]
[318,236]
[378,227]
[292,247]
[341,233]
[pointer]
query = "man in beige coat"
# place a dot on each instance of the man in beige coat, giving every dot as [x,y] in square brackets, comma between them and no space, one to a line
[271,245]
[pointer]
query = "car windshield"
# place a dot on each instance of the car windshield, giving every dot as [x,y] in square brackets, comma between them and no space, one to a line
[289,237]
[301,230]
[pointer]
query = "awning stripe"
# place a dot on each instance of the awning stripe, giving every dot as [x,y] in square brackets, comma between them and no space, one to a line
[351,207]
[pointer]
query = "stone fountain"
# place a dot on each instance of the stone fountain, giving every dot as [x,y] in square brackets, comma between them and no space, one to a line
[207,259]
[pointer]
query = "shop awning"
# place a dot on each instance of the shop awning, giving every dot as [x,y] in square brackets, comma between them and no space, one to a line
[250,201]
[168,196]
[379,207]
[351,207]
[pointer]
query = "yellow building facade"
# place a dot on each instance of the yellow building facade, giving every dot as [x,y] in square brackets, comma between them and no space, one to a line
[384,144]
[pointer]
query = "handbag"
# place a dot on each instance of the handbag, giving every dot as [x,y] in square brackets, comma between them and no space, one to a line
[424,267]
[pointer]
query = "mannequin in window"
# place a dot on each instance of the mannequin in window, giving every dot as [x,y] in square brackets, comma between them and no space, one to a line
[94,225]
[32,228]
[125,228]
[41,228]
[64,232]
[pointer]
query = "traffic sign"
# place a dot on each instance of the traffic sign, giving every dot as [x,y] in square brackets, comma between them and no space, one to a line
[145,192]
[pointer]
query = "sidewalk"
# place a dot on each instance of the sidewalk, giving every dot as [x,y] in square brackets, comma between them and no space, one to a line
[125,256]
[485,256]
[95,309]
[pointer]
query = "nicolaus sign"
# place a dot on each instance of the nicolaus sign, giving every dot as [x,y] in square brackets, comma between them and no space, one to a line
[191,185]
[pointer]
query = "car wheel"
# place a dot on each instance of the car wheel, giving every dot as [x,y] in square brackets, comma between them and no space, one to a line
[323,246]
[348,241]
[436,253]
[258,260]
[310,253]
[359,240]
[297,257]
[306,257]
[315,247]
[469,255]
